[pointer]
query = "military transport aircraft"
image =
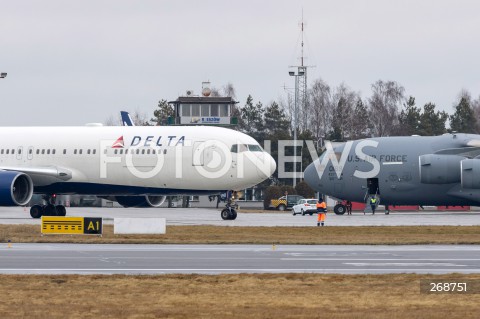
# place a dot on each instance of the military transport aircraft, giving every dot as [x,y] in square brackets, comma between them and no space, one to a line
[133,164]
[412,170]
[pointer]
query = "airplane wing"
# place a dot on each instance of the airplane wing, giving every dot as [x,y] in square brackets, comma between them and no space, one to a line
[467,151]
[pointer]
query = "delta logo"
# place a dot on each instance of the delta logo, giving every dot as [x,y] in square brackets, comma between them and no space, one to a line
[119,143]
[151,141]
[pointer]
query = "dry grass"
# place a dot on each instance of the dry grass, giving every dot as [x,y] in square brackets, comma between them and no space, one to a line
[376,235]
[231,296]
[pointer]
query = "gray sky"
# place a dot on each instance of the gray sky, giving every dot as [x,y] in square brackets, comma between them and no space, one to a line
[74,62]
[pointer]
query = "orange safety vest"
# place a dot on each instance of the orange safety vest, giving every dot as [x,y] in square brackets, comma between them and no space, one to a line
[321,207]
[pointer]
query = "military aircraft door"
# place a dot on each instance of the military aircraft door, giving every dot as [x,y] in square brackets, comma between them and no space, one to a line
[372,184]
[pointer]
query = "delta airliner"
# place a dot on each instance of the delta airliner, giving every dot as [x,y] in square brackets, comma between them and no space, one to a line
[133,164]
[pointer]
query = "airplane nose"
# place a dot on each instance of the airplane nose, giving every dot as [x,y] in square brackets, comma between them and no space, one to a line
[311,177]
[273,165]
[266,166]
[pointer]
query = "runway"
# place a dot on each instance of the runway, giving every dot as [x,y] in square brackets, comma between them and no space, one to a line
[210,216]
[227,259]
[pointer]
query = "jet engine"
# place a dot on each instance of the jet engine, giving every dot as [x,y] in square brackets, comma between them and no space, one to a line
[471,173]
[141,201]
[440,169]
[16,189]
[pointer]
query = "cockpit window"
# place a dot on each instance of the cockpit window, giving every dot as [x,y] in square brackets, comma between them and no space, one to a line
[254,148]
[238,148]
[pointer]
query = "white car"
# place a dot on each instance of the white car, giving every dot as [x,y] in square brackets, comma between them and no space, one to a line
[305,206]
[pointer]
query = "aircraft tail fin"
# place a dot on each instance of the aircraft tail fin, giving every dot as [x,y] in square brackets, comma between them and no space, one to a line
[126,119]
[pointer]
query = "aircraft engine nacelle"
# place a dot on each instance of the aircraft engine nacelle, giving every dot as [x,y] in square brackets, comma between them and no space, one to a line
[16,189]
[141,201]
[471,173]
[440,169]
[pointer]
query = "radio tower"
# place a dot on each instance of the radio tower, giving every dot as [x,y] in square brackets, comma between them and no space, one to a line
[300,113]
[302,94]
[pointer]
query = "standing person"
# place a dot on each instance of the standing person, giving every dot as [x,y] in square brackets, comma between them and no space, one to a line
[348,205]
[321,211]
[373,204]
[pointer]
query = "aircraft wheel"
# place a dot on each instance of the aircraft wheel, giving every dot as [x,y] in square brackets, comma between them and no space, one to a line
[281,207]
[36,211]
[339,209]
[225,214]
[233,214]
[49,210]
[61,210]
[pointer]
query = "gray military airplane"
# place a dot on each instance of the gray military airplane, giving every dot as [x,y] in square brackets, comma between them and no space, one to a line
[409,170]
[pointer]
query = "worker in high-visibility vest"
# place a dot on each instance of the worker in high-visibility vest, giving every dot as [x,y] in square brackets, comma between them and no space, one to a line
[321,211]
[373,204]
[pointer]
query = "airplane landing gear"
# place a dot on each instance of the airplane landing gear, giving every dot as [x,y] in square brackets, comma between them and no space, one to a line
[228,213]
[339,209]
[37,211]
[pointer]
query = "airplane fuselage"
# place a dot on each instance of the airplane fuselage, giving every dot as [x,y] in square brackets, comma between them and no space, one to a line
[137,160]
[410,170]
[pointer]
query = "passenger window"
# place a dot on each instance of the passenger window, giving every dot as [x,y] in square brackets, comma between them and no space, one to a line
[121,152]
[75,151]
[48,151]
[80,152]
[30,151]
[53,152]
[19,152]
[165,151]
[13,152]
[126,151]
[234,148]
[8,152]
[1,152]
[148,151]
[94,151]
[43,151]
[88,151]
[38,151]
[138,151]
[143,152]
[115,152]
[64,151]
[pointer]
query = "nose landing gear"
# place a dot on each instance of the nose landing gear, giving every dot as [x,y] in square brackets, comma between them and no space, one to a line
[229,213]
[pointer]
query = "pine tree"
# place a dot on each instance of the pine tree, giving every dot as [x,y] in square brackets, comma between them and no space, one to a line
[463,120]
[162,114]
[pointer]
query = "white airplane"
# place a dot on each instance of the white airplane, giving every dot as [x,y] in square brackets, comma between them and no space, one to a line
[132,164]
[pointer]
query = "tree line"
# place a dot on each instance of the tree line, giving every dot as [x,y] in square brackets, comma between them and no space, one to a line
[338,114]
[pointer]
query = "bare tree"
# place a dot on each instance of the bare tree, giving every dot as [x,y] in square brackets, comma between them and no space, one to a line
[113,121]
[476,110]
[343,105]
[229,90]
[320,110]
[384,105]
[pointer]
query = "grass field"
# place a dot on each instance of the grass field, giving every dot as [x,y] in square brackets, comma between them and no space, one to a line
[231,296]
[239,296]
[376,235]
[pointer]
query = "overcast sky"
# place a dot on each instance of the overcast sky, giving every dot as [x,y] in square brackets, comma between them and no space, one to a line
[74,62]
